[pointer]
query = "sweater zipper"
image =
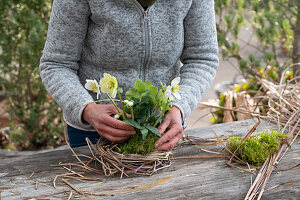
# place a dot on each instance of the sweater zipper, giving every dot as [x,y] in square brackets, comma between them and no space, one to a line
[147,45]
[147,39]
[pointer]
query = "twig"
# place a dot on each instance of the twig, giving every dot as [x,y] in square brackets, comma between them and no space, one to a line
[62,175]
[275,186]
[70,196]
[73,187]
[32,174]
[44,195]
[193,157]
[85,178]
[73,172]
[282,170]
[36,185]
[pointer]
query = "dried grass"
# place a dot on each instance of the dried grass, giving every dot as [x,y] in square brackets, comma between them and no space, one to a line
[283,110]
[113,162]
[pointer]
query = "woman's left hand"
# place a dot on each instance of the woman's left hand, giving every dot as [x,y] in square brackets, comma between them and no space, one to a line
[172,127]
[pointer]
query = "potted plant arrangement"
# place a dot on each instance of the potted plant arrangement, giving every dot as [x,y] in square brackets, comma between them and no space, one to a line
[146,105]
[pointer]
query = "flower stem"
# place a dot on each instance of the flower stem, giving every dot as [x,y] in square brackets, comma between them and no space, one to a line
[156,112]
[113,102]
[162,114]
[131,111]
[122,105]
[156,107]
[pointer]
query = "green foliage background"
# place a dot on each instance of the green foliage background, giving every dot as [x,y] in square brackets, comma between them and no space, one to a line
[273,23]
[271,28]
[23,30]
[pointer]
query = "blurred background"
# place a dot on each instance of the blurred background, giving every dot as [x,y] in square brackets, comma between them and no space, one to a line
[257,39]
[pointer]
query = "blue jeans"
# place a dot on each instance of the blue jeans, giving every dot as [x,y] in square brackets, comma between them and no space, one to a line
[77,137]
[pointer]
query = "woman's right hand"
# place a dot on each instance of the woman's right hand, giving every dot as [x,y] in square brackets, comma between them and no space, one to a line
[100,117]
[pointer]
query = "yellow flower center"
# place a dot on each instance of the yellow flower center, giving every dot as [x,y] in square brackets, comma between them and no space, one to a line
[175,88]
[111,85]
[94,87]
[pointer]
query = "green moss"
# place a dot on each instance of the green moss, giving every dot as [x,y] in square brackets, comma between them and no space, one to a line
[257,149]
[136,145]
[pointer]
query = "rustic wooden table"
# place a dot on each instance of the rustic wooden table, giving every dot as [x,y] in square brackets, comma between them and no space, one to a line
[195,178]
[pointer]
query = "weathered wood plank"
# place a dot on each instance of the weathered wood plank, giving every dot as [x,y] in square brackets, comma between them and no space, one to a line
[185,179]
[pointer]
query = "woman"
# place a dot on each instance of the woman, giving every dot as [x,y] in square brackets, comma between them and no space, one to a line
[129,39]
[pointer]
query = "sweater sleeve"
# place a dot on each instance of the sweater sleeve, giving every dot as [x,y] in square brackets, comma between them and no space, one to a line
[199,56]
[60,60]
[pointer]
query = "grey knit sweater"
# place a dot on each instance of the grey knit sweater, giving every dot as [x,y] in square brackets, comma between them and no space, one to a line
[89,37]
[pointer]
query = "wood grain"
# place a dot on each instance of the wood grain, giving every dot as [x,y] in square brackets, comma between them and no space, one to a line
[195,178]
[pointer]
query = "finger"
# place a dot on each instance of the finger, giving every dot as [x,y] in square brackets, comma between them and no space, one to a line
[112,138]
[164,125]
[169,135]
[171,144]
[115,132]
[114,110]
[117,124]
[128,116]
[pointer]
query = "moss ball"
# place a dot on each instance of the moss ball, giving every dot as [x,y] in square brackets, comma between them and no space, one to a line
[256,149]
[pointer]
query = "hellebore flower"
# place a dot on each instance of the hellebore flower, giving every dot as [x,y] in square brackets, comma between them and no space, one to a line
[173,89]
[93,86]
[109,85]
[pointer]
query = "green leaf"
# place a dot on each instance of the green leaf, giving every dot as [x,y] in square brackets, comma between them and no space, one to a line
[143,109]
[133,123]
[161,100]
[152,90]
[144,132]
[142,90]
[140,86]
[154,130]
[132,93]
[145,93]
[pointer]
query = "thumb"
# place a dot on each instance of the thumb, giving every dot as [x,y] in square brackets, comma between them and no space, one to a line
[164,125]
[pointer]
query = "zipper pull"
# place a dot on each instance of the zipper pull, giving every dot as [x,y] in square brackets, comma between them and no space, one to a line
[145,15]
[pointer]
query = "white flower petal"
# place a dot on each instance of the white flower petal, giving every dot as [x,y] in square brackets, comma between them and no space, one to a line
[175,81]
[92,85]
[171,98]
[177,95]
[114,93]
[98,94]
[88,84]
[168,91]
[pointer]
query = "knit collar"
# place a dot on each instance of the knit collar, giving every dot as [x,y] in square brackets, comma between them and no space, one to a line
[147,2]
